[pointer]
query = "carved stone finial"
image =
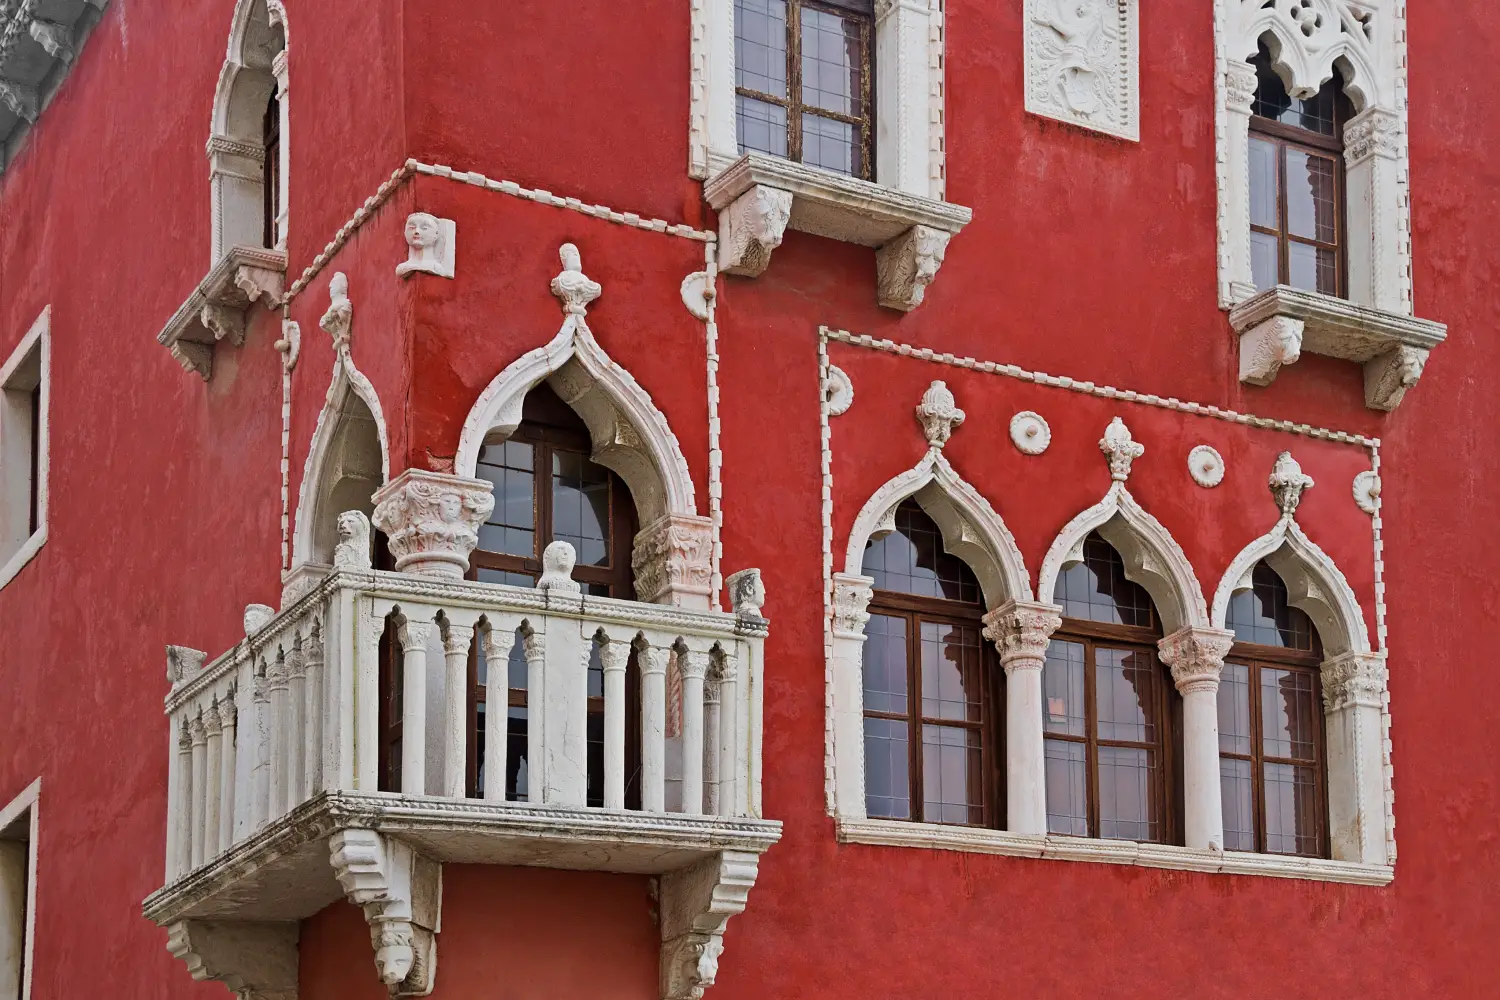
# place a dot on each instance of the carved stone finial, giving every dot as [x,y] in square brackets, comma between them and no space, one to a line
[1268,345]
[906,265]
[747,594]
[1120,448]
[939,414]
[183,663]
[430,246]
[1287,483]
[256,618]
[558,560]
[353,548]
[572,286]
[751,227]
[340,315]
[432,520]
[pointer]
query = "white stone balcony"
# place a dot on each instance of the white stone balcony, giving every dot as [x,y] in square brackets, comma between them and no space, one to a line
[274,810]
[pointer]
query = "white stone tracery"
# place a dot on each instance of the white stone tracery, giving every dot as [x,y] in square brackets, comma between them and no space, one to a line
[630,436]
[254,66]
[1363,43]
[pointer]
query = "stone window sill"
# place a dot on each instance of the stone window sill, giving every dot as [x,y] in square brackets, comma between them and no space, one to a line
[758,197]
[894,833]
[216,309]
[1277,325]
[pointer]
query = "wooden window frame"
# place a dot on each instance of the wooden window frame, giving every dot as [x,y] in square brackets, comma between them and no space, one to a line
[856,10]
[1092,636]
[1256,656]
[915,610]
[270,194]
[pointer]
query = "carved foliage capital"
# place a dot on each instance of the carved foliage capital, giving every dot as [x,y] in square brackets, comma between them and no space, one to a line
[673,561]
[1373,132]
[751,227]
[1196,657]
[905,266]
[1021,631]
[432,520]
[1354,680]
[851,604]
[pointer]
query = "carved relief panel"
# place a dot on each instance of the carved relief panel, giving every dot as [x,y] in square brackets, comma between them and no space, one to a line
[1082,63]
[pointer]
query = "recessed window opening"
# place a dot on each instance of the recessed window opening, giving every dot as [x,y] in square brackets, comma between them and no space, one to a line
[271,189]
[1297,184]
[23,456]
[803,81]
[16,903]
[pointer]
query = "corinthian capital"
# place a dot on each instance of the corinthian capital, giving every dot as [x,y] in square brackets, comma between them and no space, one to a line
[432,520]
[1020,631]
[1354,680]
[1196,657]
[673,560]
[851,604]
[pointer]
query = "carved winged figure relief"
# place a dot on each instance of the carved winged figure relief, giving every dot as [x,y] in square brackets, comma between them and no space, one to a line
[1076,53]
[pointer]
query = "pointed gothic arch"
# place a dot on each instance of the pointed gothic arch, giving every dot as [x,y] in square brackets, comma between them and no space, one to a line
[255,69]
[971,528]
[1151,555]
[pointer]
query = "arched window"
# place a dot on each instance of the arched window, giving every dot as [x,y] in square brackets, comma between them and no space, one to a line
[1271,742]
[247,145]
[547,489]
[931,686]
[1297,184]
[1107,707]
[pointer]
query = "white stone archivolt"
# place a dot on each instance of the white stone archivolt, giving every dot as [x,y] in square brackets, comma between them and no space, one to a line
[630,436]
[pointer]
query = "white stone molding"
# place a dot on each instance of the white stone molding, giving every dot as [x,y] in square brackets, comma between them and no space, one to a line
[696,904]
[697,291]
[1276,326]
[27,370]
[20,827]
[939,415]
[1363,44]
[1029,433]
[1121,449]
[219,307]
[630,436]
[1083,63]
[347,461]
[908,92]
[750,227]
[758,197]
[1196,659]
[839,392]
[431,246]
[1288,482]
[1021,631]
[1151,555]
[339,318]
[432,519]
[401,894]
[1206,466]
[253,960]
[254,67]
[747,593]
[906,265]
[1367,491]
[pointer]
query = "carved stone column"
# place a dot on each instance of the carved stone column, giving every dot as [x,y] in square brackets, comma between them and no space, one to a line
[851,602]
[696,904]
[673,561]
[1372,158]
[432,520]
[401,893]
[1354,686]
[1234,195]
[1196,657]
[1021,632]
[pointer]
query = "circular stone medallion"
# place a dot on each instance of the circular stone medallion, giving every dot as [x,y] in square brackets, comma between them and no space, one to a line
[1206,466]
[1030,432]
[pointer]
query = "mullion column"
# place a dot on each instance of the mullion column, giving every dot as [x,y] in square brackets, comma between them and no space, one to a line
[1196,658]
[1021,632]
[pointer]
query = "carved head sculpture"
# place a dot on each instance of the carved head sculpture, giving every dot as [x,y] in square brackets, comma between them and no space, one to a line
[338,286]
[747,594]
[353,548]
[932,246]
[422,232]
[450,506]
[558,559]
[939,414]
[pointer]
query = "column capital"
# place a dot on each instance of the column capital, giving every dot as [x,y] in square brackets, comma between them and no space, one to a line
[1020,631]
[1239,86]
[1196,657]
[1354,680]
[432,520]
[851,604]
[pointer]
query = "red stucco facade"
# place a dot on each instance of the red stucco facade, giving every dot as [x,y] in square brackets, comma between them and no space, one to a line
[1087,257]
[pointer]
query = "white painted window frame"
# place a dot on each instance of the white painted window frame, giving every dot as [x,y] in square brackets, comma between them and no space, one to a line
[18,546]
[1373,70]
[25,805]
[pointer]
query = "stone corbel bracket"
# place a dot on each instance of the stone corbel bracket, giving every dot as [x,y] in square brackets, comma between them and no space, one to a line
[216,310]
[759,197]
[254,960]
[696,904]
[401,893]
[1278,325]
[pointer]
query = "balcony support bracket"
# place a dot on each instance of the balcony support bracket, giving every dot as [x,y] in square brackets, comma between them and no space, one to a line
[401,893]
[255,960]
[696,904]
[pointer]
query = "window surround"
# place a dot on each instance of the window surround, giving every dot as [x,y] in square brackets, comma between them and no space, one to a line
[1353,677]
[902,213]
[20,810]
[28,368]
[1363,42]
